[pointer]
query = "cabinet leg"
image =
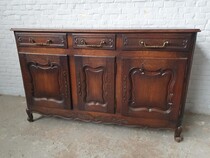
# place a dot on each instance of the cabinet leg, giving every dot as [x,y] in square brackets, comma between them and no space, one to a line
[177,135]
[30,115]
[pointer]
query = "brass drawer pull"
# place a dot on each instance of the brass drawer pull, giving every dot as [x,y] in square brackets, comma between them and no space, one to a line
[48,42]
[84,44]
[146,46]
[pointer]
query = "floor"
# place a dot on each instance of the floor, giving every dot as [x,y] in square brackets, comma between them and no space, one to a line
[50,137]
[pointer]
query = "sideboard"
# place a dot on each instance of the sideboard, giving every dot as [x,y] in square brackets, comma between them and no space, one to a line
[133,77]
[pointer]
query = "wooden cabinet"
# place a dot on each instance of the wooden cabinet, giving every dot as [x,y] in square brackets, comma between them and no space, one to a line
[124,77]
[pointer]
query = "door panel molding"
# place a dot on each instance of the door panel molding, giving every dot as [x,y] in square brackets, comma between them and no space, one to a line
[150,87]
[47,78]
[95,83]
[97,75]
[158,74]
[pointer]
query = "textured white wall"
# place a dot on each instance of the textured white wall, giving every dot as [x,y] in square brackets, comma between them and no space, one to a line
[108,14]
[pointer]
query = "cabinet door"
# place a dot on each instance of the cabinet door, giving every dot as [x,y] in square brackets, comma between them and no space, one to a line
[46,80]
[95,83]
[152,88]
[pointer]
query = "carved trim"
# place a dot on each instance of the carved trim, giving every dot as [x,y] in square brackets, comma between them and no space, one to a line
[19,39]
[185,43]
[65,84]
[110,43]
[124,87]
[79,85]
[62,40]
[107,86]
[92,118]
[75,40]
[125,41]
[98,119]
[160,72]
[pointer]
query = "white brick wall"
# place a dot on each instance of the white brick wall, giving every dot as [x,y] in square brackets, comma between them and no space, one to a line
[107,14]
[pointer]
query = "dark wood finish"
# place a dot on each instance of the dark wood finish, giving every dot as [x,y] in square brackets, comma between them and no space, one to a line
[30,115]
[124,77]
[177,134]
[46,80]
[94,41]
[57,40]
[152,87]
[120,30]
[95,83]
[157,41]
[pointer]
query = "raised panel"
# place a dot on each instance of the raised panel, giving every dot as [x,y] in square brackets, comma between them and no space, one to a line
[151,87]
[159,84]
[95,83]
[94,76]
[49,76]
[46,80]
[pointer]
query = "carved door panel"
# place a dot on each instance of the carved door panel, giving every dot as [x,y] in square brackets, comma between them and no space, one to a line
[95,83]
[152,87]
[46,80]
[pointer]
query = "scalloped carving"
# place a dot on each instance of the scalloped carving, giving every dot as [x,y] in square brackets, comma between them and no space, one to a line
[95,83]
[53,73]
[46,80]
[137,74]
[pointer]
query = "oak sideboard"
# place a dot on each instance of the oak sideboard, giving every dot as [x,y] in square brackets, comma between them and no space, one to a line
[133,77]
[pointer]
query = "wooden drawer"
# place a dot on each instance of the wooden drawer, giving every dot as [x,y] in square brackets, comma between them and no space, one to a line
[56,40]
[157,41]
[94,41]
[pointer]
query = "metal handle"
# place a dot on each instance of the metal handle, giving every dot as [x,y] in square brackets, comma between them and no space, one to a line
[146,46]
[48,42]
[84,44]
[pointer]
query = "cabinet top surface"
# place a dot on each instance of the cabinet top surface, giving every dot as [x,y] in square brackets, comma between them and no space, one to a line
[127,30]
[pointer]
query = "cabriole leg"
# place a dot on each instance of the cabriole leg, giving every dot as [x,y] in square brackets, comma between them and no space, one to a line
[30,115]
[177,135]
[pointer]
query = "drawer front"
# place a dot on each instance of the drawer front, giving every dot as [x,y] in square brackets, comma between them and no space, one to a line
[94,41]
[156,41]
[55,40]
